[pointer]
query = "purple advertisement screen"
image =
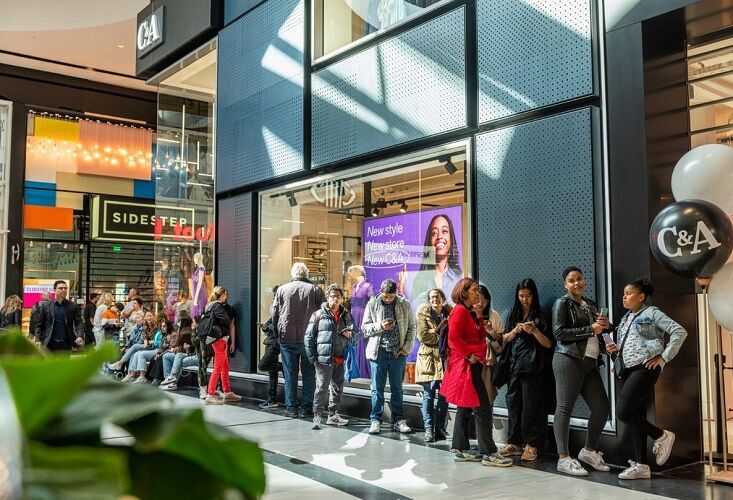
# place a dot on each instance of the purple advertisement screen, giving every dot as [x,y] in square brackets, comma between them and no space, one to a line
[419,250]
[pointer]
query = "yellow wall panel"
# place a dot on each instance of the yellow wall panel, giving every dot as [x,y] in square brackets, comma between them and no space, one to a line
[95,184]
[59,130]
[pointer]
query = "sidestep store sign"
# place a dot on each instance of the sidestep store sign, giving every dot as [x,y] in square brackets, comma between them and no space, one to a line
[115,219]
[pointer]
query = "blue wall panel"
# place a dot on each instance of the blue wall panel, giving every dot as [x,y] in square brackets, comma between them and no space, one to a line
[406,88]
[235,8]
[532,53]
[260,95]
[234,268]
[534,197]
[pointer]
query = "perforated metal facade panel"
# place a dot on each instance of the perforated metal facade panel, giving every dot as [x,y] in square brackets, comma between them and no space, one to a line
[532,53]
[535,207]
[260,95]
[234,267]
[235,8]
[406,88]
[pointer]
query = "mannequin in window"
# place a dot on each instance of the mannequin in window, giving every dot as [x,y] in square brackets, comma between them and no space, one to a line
[197,284]
[361,292]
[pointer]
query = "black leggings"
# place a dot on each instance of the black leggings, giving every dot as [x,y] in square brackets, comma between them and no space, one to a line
[483,418]
[637,384]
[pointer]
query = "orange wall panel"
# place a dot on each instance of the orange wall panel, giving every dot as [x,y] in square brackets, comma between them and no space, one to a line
[48,218]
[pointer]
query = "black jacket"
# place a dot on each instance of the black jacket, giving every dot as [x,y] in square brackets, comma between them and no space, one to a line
[323,340]
[11,319]
[35,317]
[74,324]
[572,326]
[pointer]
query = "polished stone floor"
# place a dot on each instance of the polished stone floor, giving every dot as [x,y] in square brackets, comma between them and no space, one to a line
[337,463]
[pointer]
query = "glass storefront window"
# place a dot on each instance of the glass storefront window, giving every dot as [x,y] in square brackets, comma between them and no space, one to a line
[184,197]
[338,23]
[408,222]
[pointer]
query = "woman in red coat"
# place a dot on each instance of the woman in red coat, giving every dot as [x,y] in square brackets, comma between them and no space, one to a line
[463,384]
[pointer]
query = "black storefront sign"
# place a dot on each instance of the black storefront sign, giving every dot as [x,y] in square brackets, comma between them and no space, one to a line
[183,26]
[119,219]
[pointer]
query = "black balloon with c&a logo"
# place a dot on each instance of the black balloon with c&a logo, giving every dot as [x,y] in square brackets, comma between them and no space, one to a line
[692,238]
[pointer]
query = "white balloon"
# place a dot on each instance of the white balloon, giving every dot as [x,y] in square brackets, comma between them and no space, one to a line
[720,296]
[705,173]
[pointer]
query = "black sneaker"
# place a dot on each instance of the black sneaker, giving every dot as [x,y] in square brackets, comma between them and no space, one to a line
[439,435]
[289,412]
[307,413]
[268,404]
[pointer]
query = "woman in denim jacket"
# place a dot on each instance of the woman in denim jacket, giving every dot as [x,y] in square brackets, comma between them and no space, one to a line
[639,357]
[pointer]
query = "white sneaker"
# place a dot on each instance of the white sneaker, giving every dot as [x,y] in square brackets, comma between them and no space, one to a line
[336,419]
[636,471]
[169,387]
[169,380]
[140,380]
[402,427]
[663,447]
[214,400]
[569,465]
[594,459]
[203,392]
[375,427]
[128,378]
[317,421]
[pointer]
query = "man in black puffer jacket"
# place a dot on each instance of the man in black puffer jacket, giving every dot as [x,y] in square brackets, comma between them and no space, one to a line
[330,331]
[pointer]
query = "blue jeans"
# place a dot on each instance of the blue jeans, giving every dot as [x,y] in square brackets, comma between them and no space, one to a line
[293,358]
[428,402]
[131,351]
[139,361]
[174,363]
[387,364]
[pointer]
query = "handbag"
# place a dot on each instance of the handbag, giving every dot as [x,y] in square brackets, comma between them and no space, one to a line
[500,376]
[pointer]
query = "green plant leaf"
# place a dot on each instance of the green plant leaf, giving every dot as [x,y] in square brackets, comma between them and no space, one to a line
[15,343]
[215,449]
[75,473]
[102,400]
[41,387]
[159,475]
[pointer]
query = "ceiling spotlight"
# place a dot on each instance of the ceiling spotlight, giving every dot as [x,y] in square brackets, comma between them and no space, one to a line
[348,215]
[375,212]
[291,199]
[403,207]
[449,167]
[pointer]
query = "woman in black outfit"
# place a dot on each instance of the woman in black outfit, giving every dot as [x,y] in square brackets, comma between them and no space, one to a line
[577,327]
[11,312]
[530,341]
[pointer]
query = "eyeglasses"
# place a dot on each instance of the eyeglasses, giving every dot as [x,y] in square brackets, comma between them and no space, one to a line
[335,297]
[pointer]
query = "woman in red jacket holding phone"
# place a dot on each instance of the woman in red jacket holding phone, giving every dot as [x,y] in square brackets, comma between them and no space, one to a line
[463,384]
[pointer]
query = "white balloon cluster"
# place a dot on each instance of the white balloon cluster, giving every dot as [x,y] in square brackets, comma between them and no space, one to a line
[706,173]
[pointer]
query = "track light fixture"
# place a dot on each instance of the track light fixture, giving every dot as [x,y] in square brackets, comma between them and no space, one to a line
[375,212]
[403,207]
[448,165]
[291,199]
[348,215]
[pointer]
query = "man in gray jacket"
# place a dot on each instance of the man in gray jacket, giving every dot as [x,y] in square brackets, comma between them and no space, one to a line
[294,304]
[390,326]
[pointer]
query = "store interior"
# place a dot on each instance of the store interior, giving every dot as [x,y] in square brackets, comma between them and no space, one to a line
[375,217]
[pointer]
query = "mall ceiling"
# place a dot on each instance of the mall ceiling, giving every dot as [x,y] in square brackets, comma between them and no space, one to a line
[90,39]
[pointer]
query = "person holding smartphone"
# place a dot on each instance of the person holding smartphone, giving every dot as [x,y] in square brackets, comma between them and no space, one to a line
[577,326]
[530,342]
[330,331]
[639,356]
[431,318]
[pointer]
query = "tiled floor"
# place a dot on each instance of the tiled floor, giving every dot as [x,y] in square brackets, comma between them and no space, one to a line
[336,463]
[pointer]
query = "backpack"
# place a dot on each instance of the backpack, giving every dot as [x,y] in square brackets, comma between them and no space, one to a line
[443,349]
[206,327]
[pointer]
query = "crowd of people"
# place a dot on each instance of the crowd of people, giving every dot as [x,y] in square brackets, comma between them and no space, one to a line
[152,348]
[466,351]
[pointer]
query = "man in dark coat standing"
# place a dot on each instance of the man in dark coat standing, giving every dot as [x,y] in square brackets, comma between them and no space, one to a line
[60,326]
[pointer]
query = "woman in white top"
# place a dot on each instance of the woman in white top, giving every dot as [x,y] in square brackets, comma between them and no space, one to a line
[106,302]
